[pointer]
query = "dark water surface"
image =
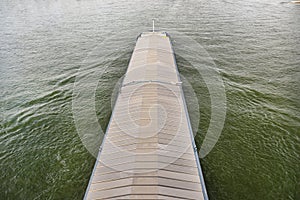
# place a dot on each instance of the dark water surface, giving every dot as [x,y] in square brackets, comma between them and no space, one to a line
[46,45]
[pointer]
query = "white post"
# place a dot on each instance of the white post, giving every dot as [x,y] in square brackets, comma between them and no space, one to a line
[152,25]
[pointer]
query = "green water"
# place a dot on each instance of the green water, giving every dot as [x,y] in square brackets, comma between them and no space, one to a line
[45,46]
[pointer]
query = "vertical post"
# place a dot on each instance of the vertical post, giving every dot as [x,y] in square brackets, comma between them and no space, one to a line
[152,25]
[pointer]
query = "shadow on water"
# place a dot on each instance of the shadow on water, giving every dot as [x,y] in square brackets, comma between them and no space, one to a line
[105,89]
[199,87]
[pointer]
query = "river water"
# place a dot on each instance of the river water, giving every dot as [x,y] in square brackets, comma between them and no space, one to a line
[45,46]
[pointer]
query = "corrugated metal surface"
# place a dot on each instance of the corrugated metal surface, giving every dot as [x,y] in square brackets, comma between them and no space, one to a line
[148,151]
